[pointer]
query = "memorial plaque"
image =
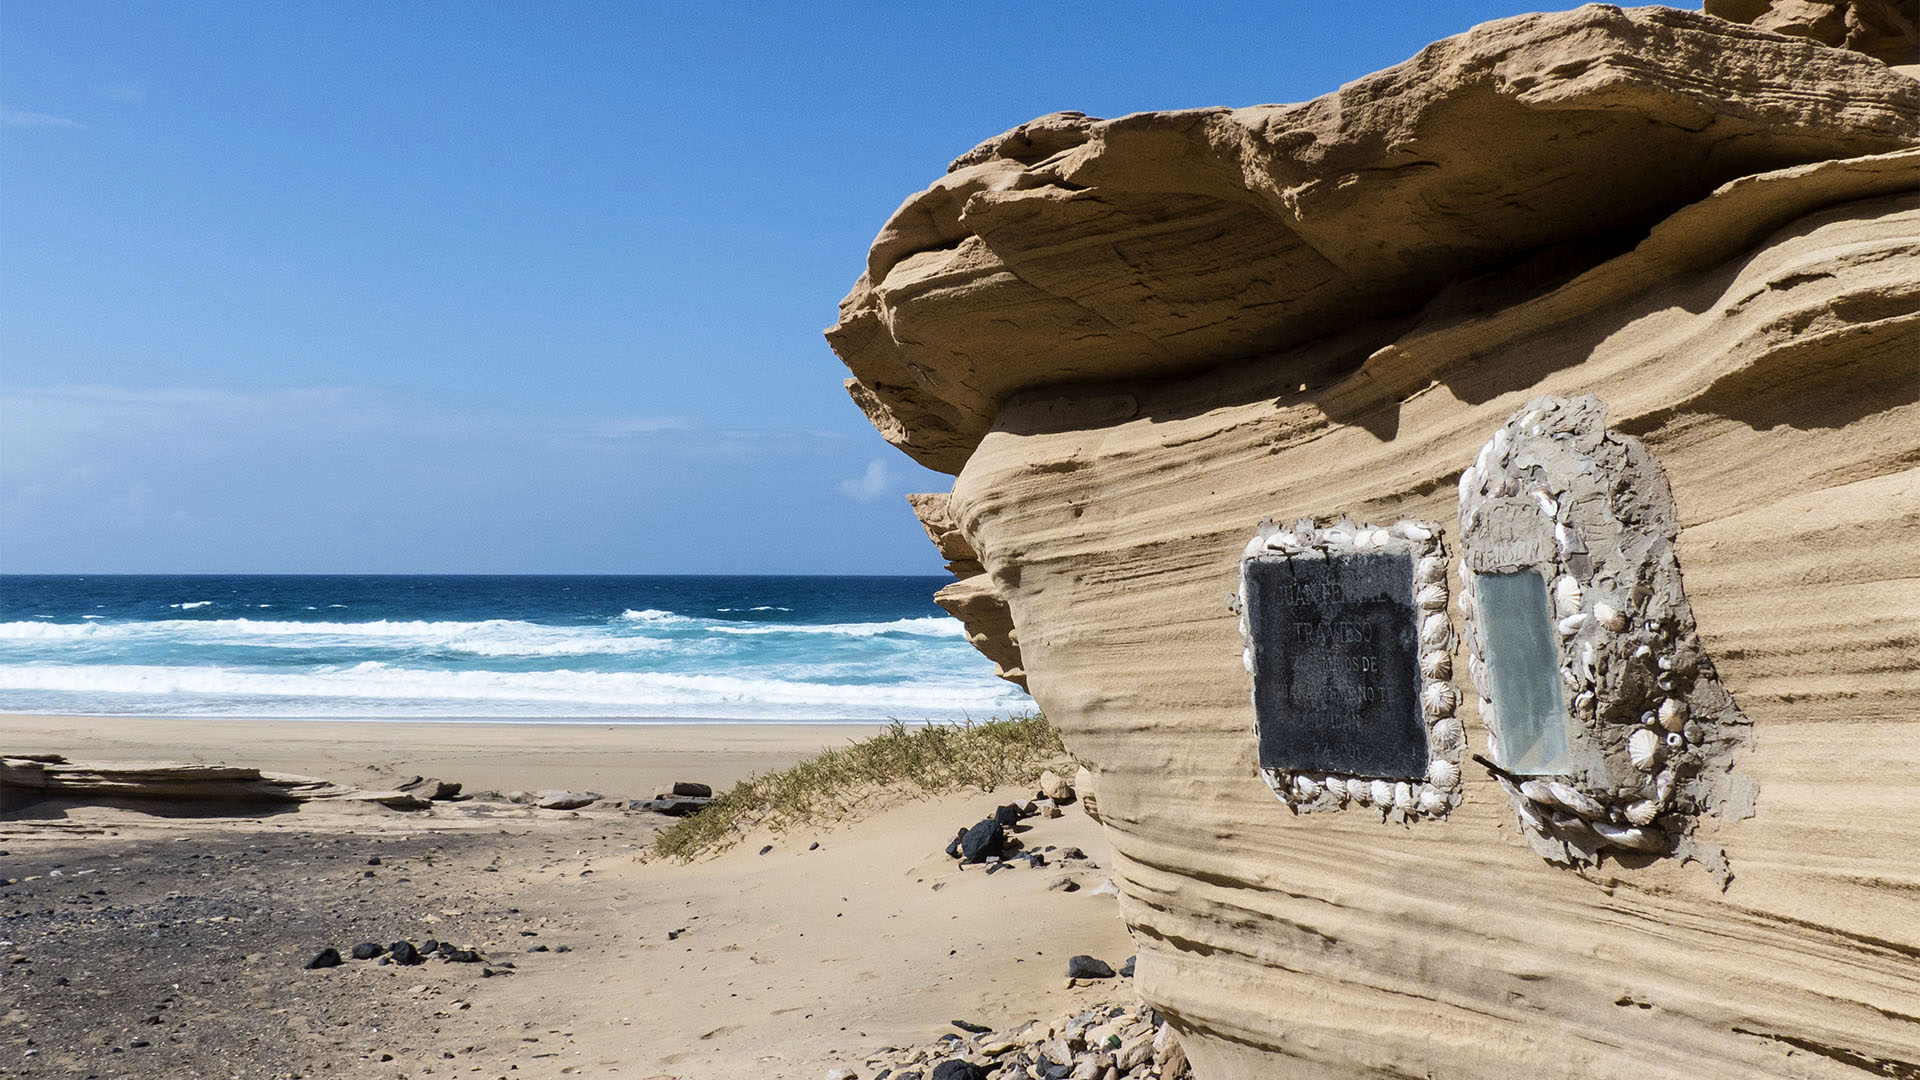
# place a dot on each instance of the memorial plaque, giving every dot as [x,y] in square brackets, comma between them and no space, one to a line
[1523,664]
[1335,658]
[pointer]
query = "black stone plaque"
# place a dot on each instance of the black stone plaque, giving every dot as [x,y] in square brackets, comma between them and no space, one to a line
[1336,673]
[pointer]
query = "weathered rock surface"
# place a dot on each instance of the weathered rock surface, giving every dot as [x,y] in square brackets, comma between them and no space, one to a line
[1883,29]
[52,776]
[1075,249]
[1134,339]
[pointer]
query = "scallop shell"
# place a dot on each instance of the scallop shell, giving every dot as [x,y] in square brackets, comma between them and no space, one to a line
[1448,734]
[1254,547]
[1566,596]
[1609,616]
[1434,631]
[1431,570]
[1379,538]
[1382,793]
[1643,812]
[1443,774]
[1571,625]
[1403,796]
[1360,791]
[1436,665]
[1336,789]
[1431,802]
[1412,530]
[1673,714]
[1431,598]
[1643,748]
[1439,699]
[1547,505]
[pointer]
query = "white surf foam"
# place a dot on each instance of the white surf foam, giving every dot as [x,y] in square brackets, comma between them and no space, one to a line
[374,688]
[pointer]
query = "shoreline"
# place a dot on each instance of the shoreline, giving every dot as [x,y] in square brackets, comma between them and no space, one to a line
[625,759]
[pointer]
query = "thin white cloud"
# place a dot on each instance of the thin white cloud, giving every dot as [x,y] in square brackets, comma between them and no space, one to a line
[132,94]
[25,118]
[874,484]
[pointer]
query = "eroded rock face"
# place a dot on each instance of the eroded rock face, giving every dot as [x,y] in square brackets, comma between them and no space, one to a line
[1883,29]
[1076,249]
[1724,252]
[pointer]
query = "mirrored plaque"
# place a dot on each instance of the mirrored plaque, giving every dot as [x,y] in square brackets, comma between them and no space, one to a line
[1523,666]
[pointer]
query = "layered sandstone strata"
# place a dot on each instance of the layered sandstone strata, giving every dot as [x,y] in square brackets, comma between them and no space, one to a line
[1134,339]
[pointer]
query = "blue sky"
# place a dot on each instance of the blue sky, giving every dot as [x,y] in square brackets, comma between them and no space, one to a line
[514,287]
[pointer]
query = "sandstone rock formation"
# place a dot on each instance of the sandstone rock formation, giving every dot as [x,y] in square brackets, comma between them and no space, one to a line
[1883,29]
[29,778]
[1133,339]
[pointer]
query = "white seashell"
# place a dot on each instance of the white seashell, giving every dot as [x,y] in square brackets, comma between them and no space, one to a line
[1643,812]
[1439,699]
[1436,665]
[1266,528]
[1643,748]
[1571,798]
[1675,740]
[1563,538]
[1412,530]
[1246,628]
[1566,596]
[1443,774]
[1434,631]
[1246,657]
[1431,570]
[1610,617]
[1663,787]
[1448,734]
[1493,741]
[1431,598]
[1547,505]
[1469,483]
[1382,794]
[1464,601]
[1336,789]
[1466,575]
[1531,816]
[1631,837]
[1571,625]
[1336,537]
[1306,788]
[1499,443]
[1583,703]
[1483,461]
[1360,791]
[1673,714]
[1537,791]
[1272,784]
[1254,547]
[1403,796]
[1431,802]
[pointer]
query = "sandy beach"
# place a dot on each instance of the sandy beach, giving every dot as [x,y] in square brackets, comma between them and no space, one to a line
[143,944]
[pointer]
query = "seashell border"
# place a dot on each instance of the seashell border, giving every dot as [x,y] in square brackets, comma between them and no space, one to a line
[1396,799]
[1652,732]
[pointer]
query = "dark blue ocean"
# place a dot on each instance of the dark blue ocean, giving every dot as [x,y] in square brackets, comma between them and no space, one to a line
[491,647]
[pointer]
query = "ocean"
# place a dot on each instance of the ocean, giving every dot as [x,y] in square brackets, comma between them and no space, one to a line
[545,648]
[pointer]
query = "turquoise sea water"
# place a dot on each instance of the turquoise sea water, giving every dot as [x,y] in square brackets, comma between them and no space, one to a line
[491,647]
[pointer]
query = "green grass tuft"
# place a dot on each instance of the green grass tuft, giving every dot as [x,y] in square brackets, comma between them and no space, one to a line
[831,787]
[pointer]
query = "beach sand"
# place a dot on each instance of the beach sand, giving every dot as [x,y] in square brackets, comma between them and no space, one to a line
[173,946]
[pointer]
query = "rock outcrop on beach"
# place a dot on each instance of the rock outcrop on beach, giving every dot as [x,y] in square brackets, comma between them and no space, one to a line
[1133,339]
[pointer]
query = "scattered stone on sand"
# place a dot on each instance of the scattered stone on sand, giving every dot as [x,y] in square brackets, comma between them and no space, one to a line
[1063,883]
[1087,967]
[565,800]
[842,1074]
[766,849]
[403,952]
[691,789]
[367,950]
[431,788]
[325,958]
[1117,1040]
[1054,786]
[672,805]
[987,839]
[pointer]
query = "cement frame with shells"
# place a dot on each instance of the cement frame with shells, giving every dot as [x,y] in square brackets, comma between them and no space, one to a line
[1400,799]
[1652,732]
